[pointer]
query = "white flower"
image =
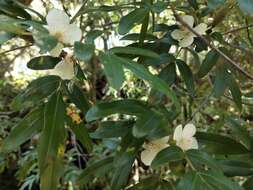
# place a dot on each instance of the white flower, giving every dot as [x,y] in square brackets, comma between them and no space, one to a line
[152,148]
[184,137]
[65,69]
[58,25]
[186,37]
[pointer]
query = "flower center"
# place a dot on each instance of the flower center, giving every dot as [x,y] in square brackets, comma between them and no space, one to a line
[59,36]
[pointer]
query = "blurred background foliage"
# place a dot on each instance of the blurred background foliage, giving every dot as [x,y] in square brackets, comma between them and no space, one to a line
[19,170]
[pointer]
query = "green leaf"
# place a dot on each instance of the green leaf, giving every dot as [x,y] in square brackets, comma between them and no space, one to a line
[248,184]
[111,129]
[235,90]
[84,52]
[36,91]
[134,51]
[122,162]
[200,159]
[219,144]
[206,180]
[152,182]
[136,37]
[214,4]
[220,84]
[113,70]
[129,107]
[233,168]
[13,10]
[79,98]
[239,130]
[44,40]
[82,134]
[246,6]
[187,75]
[12,25]
[97,169]
[169,154]
[5,36]
[24,130]
[51,141]
[43,63]
[208,63]
[144,74]
[130,20]
[146,123]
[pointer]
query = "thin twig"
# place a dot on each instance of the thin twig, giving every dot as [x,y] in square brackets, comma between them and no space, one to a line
[15,49]
[77,13]
[238,29]
[245,73]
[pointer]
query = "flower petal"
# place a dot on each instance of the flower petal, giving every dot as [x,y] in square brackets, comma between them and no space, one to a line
[147,156]
[64,69]
[162,142]
[56,51]
[57,17]
[72,34]
[178,34]
[194,144]
[178,133]
[187,40]
[201,28]
[189,130]
[188,20]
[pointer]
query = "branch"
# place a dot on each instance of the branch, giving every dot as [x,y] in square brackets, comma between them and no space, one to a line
[230,61]
[17,48]
[238,29]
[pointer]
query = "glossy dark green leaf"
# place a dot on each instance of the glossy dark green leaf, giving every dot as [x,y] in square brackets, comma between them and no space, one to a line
[194,4]
[144,74]
[13,10]
[82,134]
[233,168]
[219,144]
[153,182]
[43,63]
[235,90]
[122,162]
[79,98]
[130,20]
[129,107]
[146,123]
[84,52]
[200,159]
[206,180]
[5,36]
[147,183]
[248,184]
[239,130]
[172,153]
[187,75]
[134,51]
[136,37]
[208,63]
[51,141]
[97,169]
[24,130]
[113,70]
[246,6]
[111,129]
[44,40]
[214,4]
[220,84]
[36,92]
[12,25]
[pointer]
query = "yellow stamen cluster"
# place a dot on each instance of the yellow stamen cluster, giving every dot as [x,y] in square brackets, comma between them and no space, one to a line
[72,112]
